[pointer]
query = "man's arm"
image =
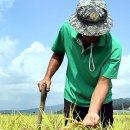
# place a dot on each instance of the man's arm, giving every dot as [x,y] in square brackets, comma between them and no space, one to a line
[53,66]
[98,97]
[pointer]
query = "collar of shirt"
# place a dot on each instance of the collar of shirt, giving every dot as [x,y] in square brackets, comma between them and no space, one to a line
[100,42]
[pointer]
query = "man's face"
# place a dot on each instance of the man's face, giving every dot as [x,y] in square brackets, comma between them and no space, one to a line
[90,39]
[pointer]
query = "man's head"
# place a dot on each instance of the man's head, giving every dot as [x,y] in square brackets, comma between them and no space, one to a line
[91,18]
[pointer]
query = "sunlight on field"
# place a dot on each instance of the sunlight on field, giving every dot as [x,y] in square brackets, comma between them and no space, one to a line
[53,122]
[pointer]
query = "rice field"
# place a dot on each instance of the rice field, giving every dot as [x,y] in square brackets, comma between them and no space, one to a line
[55,122]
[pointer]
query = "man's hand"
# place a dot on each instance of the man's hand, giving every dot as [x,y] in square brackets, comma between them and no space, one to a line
[98,97]
[46,81]
[91,119]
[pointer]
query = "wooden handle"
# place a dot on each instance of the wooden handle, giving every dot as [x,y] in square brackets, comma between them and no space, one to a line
[42,105]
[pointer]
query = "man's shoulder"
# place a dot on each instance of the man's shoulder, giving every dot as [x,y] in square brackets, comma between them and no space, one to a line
[113,40]
[68,30]
[66,23]
[66,26]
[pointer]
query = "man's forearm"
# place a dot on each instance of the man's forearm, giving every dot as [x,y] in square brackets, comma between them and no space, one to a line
[54,64]
[99,94]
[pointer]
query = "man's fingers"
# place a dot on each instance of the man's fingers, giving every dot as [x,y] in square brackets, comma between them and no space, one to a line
[47,89]
[96,120]
[91,121]
[39,86]
[87,122]
[45,84]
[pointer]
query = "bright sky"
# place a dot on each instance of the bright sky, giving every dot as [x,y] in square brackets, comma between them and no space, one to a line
[27,31]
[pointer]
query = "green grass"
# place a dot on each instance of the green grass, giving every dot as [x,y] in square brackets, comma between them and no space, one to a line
[54,122]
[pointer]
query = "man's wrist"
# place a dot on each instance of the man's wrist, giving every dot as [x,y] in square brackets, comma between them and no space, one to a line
[93,111]
[47,77]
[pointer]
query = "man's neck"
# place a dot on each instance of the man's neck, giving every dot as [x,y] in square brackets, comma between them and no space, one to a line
[87,40]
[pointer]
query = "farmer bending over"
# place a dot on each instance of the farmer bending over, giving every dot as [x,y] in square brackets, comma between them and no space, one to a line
[93,60]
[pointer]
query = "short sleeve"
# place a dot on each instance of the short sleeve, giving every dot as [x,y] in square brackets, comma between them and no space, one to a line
[111,66]
[58,45]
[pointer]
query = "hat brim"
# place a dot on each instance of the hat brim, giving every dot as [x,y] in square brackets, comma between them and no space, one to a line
[95,30]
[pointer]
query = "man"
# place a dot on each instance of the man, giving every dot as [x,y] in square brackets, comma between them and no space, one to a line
[93,60]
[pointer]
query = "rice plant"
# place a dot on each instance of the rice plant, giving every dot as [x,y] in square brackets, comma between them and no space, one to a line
[55,122]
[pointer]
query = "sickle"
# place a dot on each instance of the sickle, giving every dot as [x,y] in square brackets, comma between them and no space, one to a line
[42,105]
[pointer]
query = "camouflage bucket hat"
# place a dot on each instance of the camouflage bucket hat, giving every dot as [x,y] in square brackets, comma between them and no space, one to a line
[91,18]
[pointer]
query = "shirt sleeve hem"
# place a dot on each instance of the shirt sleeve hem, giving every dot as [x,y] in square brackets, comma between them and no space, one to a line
[109,76]
[57,51]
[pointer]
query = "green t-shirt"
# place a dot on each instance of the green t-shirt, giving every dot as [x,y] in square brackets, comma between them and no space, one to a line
[80,81]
